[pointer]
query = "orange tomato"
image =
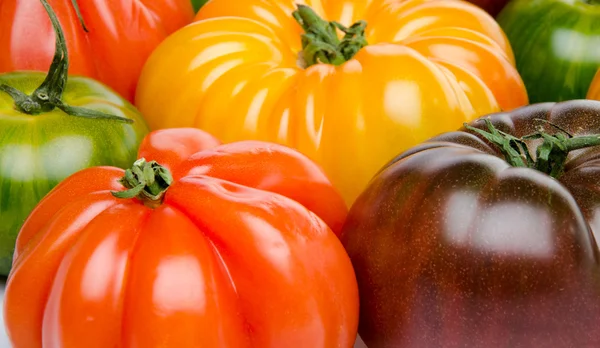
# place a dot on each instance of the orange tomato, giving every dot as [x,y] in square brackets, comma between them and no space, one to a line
[235,251]
[121,35]
[594,90]
[240,72]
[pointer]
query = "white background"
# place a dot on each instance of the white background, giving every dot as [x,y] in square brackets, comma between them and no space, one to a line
[3,338]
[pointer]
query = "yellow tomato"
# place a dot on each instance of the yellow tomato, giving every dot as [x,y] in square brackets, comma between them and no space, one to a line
[240,72]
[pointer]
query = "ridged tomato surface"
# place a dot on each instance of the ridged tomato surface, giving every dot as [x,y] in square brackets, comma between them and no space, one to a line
[237,72]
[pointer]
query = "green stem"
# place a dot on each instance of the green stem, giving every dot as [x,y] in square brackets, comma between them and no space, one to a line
[320,42]
[514,149]
[551,154]
[146,181]
[582,142]
[48,95]
[78,12]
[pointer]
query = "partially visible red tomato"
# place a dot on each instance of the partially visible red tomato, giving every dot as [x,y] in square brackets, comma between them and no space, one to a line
[235,249]
[121,35]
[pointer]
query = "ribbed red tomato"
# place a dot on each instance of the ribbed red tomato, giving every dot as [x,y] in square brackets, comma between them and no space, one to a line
[226,247]
[121,35]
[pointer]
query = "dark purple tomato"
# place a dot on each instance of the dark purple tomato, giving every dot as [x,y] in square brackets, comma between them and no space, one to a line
[455,246]
[493,7]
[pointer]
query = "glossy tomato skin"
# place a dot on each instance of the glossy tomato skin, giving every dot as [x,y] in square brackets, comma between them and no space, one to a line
[452,247]
[554,44]
[37,152]
[233,257]
[121,35]
[594,90]
[235,73]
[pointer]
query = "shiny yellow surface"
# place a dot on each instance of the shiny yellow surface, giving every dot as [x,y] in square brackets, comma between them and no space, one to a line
[429,66]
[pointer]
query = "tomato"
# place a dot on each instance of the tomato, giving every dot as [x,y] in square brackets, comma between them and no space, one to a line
[227,247]
[121,35]
[241,72]
[198,4]
[594,90]
[462,241]
[493,7]
[555,46]
[51,127]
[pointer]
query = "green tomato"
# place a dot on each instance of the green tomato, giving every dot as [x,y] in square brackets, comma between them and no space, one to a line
[556,45]
[39,151]
[51,126]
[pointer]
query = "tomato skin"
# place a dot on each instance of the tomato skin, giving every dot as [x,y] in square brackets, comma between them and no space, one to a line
[38,151]
[198,4]
[554,44]
[122,34]
[452,247]
[493,7]
[234,72]
[196,270]
[170,148]
[594,90]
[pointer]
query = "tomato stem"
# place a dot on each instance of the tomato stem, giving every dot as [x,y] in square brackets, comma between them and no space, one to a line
[551,154]
[78,12]
[48,95]
[147,181]
[320,42]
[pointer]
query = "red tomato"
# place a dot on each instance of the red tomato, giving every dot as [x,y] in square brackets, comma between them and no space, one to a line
[121,35]
[235,252]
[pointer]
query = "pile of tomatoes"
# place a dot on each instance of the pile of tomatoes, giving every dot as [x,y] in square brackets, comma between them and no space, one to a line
[278,173]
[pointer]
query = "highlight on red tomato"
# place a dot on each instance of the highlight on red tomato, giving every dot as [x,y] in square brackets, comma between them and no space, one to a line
[51,126]
[118,36]
[346,82]
[199,244]
[486,236]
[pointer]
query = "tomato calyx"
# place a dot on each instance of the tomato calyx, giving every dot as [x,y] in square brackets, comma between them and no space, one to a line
[147,181]
[48,95]
[320,42]
[551,154]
